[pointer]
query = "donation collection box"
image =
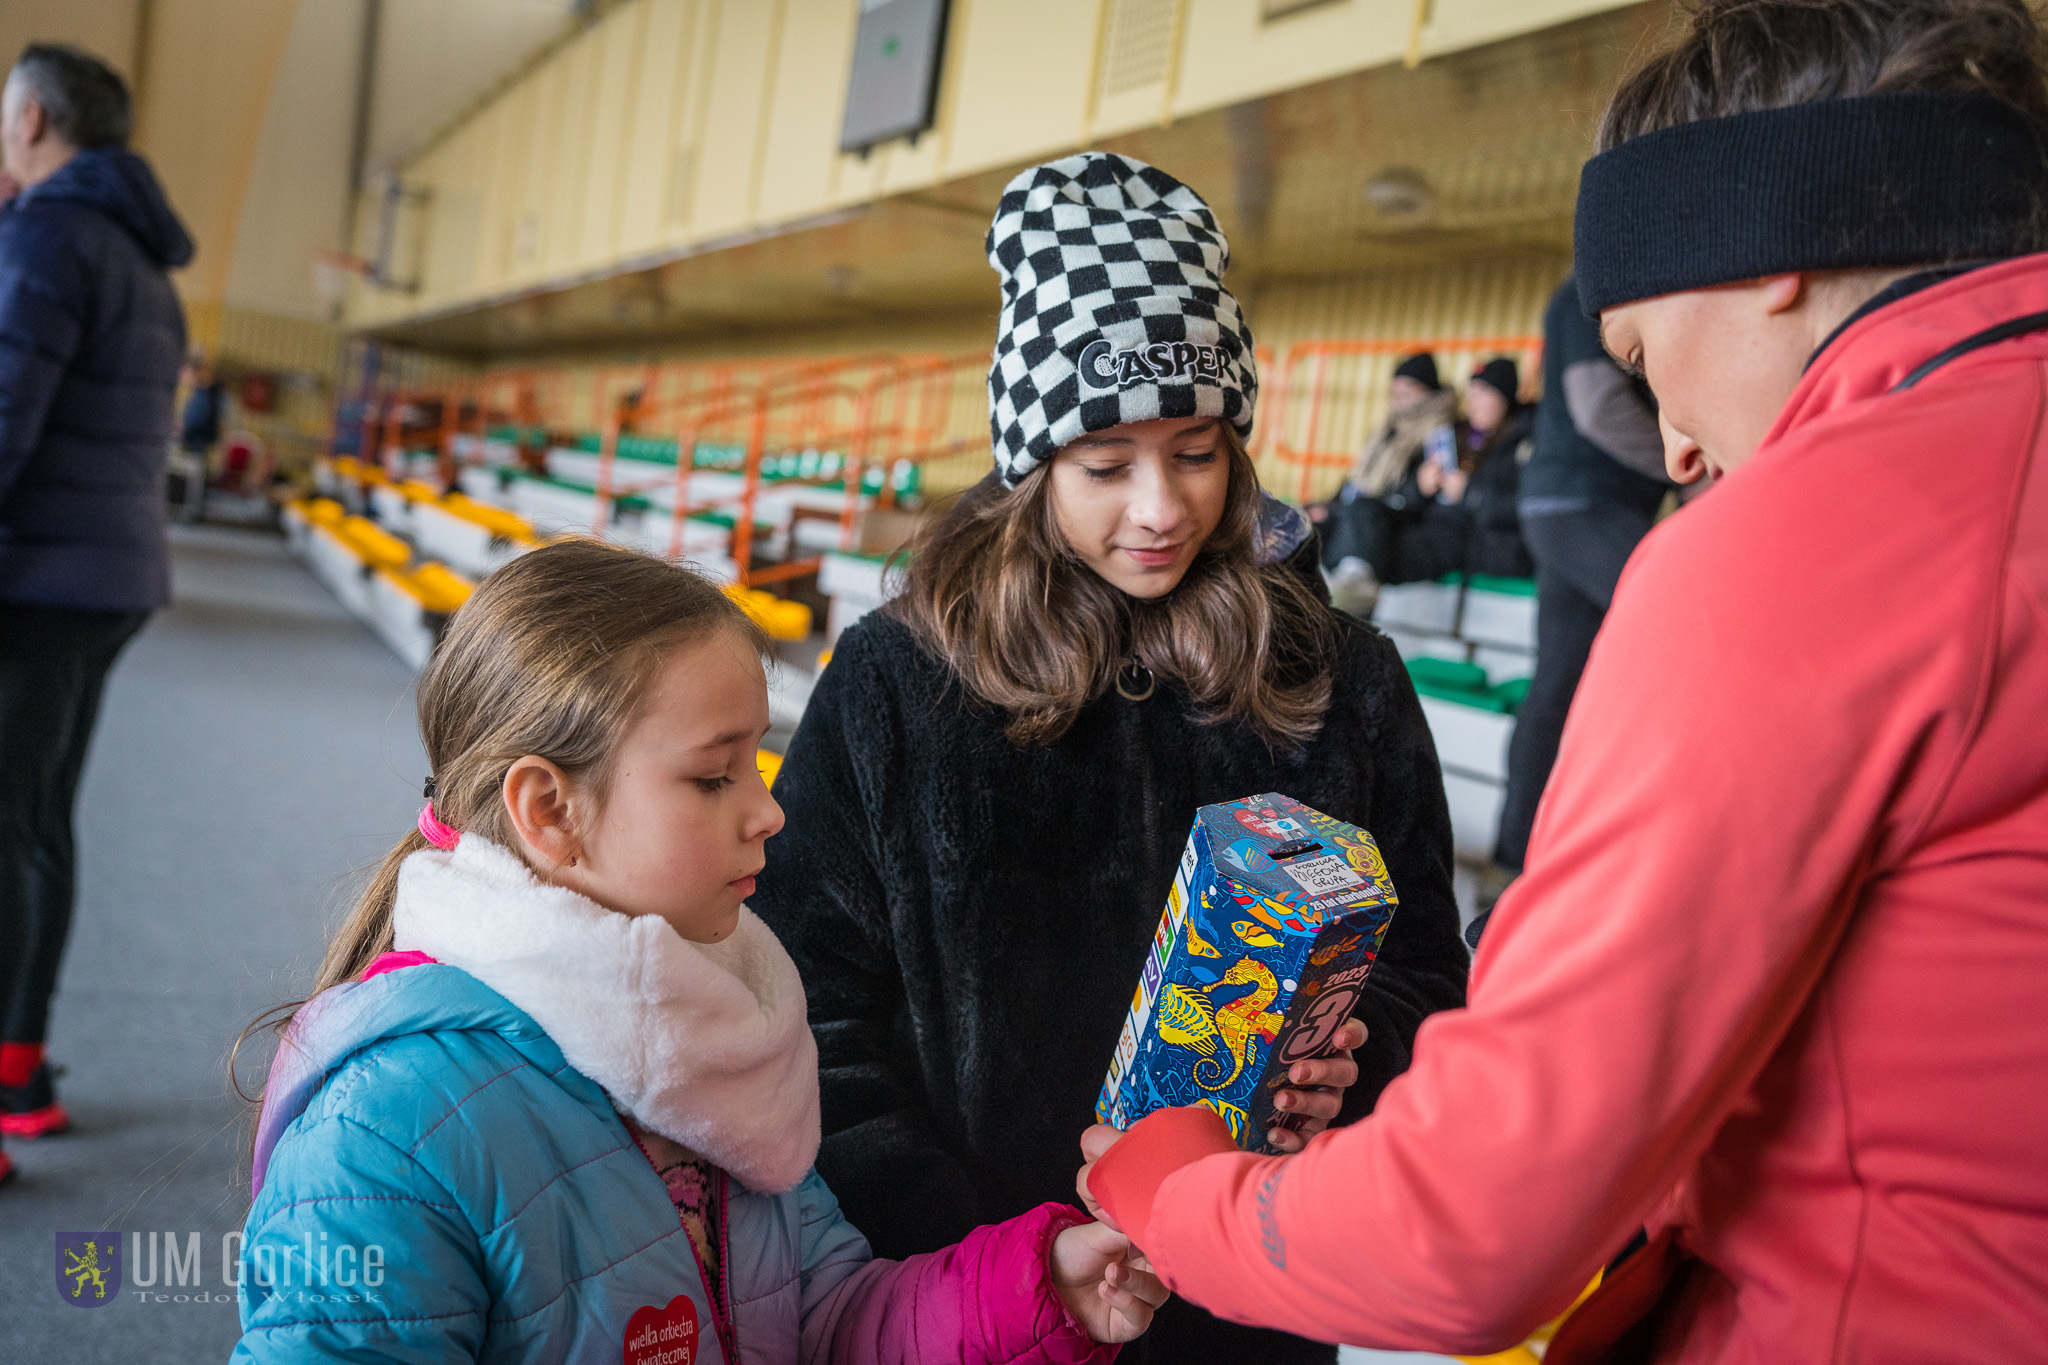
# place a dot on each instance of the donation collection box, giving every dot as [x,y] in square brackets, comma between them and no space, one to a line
[1274,920]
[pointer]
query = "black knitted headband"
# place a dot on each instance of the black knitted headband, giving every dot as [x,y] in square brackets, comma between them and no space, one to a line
[1877,180]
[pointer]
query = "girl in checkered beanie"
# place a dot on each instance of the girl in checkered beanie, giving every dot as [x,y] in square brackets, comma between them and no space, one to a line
[994,779]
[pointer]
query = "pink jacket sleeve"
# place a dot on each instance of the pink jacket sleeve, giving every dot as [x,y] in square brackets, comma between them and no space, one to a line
[988,1300]
[1748,747]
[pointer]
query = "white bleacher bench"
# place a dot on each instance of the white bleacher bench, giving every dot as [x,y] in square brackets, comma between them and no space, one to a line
[1470,646]
[855,585]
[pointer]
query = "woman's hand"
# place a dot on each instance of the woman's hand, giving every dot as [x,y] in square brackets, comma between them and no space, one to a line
[1454,482]
[1429,478]
[1104,1282]
[1316,1090]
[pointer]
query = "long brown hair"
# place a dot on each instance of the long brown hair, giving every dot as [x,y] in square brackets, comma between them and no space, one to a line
[996,591]
[550,657]
[1741,56]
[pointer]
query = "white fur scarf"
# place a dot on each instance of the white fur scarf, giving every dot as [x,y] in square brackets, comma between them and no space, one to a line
[703,1043]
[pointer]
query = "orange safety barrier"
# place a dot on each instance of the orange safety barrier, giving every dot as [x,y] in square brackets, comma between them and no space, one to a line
[870,410]
[1322,399]
[875,410]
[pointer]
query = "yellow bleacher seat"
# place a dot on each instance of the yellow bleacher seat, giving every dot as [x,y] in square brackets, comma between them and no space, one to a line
[376,545]
[781,618]
[496,520]
[769,763]
[440,588]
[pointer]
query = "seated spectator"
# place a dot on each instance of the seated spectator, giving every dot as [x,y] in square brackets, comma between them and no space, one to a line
[1360,527]
[1475,502]
[1454,509]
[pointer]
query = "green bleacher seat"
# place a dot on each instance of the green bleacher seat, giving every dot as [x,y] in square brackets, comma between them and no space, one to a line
[1466,684]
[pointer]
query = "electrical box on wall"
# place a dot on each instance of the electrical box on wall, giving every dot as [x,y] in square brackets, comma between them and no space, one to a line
[895,84]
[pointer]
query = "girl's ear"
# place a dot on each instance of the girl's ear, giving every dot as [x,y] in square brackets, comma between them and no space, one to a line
[540,804]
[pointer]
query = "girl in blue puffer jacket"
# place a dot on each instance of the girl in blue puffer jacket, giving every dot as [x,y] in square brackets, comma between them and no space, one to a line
[555,1098]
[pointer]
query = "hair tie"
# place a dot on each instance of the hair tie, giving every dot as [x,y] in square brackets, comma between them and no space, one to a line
[434,832]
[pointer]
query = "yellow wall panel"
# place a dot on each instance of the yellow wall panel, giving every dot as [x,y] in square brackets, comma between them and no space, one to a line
[1230,54]
[812,69]
[573,118]
[616,69]
[742,90]
[660,88]
[1024,72]
[902,165]
[542,137]
[504,178]
[682,123]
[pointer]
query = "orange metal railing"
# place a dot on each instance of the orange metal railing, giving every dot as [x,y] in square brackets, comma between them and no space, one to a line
[883,410]
[1320,401]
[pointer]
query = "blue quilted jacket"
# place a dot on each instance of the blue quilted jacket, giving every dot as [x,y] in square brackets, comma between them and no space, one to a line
[435,1183]
[91,339]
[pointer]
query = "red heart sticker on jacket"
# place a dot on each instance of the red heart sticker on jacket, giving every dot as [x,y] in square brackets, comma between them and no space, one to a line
[663,1336]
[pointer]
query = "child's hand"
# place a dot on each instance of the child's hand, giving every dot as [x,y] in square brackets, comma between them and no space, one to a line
[1317,1090]
[1094,1143]
[1104,1282]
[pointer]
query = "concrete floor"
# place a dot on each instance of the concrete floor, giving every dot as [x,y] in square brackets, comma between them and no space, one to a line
[255,749]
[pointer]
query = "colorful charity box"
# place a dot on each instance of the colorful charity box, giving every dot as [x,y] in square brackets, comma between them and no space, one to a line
[1274,920]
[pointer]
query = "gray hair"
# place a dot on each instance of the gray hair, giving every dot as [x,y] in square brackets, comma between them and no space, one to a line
[84,99]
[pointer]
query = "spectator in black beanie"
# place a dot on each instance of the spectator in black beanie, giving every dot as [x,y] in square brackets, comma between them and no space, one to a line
[1476,502]
[1361,525]
[1453,510]
[1590,493]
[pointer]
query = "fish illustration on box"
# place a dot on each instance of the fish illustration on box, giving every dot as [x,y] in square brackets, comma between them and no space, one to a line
[1272,925]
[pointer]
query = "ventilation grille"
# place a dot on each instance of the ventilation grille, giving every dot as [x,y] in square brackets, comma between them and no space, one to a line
[1138,46]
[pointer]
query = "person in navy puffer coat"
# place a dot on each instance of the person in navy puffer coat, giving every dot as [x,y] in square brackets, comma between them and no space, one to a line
[91,338]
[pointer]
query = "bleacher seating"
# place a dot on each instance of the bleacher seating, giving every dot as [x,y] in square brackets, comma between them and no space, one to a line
[1470,645]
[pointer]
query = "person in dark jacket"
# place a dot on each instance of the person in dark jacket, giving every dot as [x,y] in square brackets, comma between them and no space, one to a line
[1479,498]
[1459,515]
[1363,528]
[992,785]
[91,338]
[205,403]
[1588,496]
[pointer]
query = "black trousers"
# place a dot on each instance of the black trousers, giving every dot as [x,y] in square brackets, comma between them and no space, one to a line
[53,668]
[1414,542]
[1579,558]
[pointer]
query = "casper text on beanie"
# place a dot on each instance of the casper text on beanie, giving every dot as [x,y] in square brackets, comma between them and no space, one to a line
[1114,309]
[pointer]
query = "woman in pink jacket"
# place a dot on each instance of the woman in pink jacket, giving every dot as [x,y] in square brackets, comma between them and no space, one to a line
[1770,991]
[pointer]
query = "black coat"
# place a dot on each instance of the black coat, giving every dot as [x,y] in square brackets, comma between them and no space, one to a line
[91,340]
[1495,544]
[970,918]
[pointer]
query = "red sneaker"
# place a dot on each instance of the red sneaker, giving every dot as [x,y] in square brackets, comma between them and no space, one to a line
[32,1111]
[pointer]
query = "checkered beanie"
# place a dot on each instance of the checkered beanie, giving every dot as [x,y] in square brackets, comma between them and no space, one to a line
[1114,309]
